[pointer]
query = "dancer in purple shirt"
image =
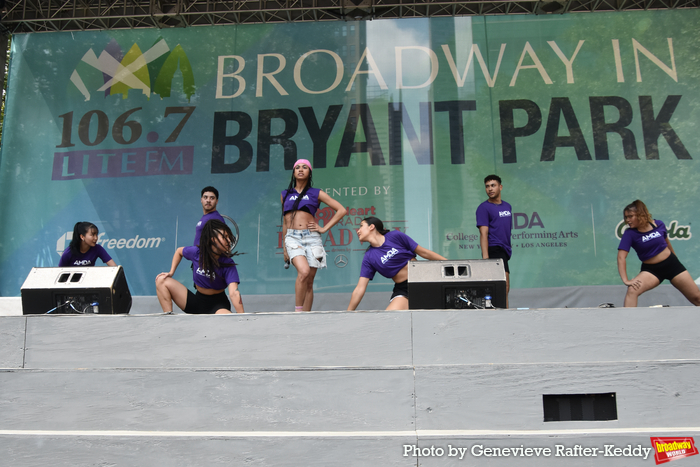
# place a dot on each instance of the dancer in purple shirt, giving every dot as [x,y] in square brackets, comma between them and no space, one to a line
[213,272]
[303,246]
[650,240]
[209,199]
[494,219]
[83,249]
[388,254]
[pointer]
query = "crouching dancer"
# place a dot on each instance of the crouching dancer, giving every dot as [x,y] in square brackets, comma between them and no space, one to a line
[388,254]
[213,271]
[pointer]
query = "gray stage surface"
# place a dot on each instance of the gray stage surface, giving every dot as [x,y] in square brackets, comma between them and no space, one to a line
[344,388]
[549,297]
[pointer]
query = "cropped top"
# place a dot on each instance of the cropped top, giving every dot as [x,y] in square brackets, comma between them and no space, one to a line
[218,279]
[89,258]
[308,203]
[646,244]
[390,258]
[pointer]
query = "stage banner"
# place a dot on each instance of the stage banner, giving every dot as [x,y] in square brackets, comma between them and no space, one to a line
[580,114]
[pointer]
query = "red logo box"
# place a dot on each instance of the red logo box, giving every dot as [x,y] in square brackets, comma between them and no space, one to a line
[671,449]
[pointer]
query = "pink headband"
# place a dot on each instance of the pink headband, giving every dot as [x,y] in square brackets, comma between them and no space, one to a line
[303,161]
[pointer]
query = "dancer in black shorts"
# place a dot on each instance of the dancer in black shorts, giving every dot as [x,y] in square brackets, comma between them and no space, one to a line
[213,272]
[650,240]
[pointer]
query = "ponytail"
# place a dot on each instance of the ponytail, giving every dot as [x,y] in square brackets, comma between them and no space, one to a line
[377,223]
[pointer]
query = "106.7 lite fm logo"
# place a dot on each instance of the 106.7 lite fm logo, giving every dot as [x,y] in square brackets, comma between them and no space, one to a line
[115,73]
[152,71]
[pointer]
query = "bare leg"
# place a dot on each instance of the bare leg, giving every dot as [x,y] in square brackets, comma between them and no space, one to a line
[645,281]
[398,303]
[684,282]
[223,311]
[168,291]
[301,285]
[309,297]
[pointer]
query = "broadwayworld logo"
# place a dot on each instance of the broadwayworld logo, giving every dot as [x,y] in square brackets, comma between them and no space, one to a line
[115,72]
[671,449]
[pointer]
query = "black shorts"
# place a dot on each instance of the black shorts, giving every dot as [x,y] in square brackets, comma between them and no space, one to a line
[400,290]
[200,304]
[666,269]
[498,252]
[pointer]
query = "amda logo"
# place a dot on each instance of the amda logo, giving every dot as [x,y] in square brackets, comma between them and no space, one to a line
[115,72]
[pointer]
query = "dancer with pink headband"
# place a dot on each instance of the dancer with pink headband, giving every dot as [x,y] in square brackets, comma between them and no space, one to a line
[303,246]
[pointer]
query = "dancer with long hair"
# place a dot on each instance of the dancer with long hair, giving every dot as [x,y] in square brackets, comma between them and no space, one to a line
[303,246]
[83,249]
[213,272]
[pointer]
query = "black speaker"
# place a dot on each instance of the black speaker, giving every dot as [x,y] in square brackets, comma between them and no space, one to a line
[73,290]
[469,283]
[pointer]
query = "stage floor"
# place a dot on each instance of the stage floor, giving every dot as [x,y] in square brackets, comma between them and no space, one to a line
[333,389]
[551,297]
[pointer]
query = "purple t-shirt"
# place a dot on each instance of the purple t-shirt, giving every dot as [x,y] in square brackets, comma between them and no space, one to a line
[646,244]
[219,279]
[309,201]
[388,259]
[499,219]
[88,258]
[200,225]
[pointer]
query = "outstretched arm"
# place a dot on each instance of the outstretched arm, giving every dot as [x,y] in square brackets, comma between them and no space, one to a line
[111,263]
[284,233]
[427,254]
[235,296]
[340,211]
[358,293]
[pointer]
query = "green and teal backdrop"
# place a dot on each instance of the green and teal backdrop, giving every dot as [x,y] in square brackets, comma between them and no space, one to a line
[402,119]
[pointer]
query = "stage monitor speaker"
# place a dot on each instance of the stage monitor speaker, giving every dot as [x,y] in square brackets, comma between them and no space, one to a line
[73,290]
[469,283]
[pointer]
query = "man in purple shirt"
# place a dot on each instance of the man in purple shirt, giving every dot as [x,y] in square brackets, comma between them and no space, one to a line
[210,198]
[494,220]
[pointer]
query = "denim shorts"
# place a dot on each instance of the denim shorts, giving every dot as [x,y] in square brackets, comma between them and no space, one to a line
[307,243]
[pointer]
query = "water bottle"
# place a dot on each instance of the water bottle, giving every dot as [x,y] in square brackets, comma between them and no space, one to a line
[487,301]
